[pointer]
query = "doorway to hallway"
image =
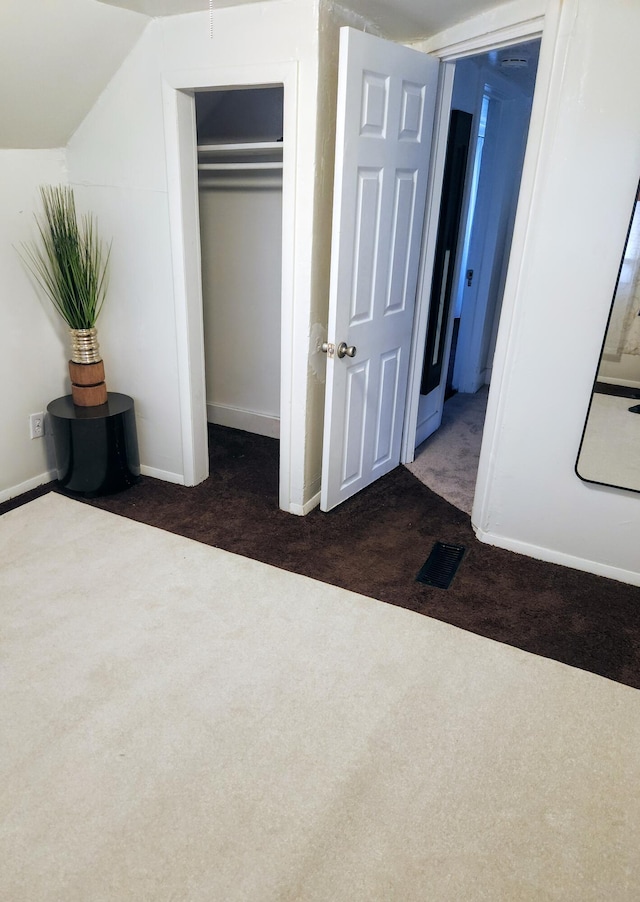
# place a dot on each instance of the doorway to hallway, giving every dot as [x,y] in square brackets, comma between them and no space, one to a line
[496,88]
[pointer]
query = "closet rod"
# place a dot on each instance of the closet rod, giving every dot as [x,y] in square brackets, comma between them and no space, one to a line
[230,184]
[229,167]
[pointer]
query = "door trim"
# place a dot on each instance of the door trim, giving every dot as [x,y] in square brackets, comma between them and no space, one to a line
[182,188]
[522,20]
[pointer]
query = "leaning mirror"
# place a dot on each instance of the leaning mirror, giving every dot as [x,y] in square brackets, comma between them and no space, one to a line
[610,449]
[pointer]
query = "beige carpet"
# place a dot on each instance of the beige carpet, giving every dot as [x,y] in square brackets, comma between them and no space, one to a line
[179,723]
[447,462]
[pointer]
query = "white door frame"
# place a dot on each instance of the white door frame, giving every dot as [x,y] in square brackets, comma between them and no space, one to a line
[182,178]
[511,24]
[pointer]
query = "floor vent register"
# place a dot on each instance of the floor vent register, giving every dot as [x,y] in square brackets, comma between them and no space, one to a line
[441,565]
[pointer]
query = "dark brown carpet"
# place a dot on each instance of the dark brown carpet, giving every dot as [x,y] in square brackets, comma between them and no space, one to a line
[376,543]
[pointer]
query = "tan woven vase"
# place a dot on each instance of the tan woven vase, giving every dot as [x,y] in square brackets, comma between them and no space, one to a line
[86,369]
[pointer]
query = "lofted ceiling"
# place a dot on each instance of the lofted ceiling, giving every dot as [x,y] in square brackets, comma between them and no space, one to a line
[56,56]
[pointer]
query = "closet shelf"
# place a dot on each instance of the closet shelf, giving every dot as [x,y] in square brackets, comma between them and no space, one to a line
[240,164]
[230,167]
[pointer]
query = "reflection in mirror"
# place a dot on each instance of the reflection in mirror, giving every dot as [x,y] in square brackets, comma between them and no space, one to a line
[610,448]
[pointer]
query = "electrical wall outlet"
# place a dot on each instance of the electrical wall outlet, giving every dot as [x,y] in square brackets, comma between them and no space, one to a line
[36,425]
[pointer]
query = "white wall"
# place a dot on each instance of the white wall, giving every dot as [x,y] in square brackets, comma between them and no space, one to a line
[519,115]
[118,157]
[33,340]
[117,167]
[241,233]
[466,86]
[557,301]
[498,188]
[488,246]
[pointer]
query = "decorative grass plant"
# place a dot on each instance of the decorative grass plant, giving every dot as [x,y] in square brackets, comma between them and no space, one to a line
[70,262]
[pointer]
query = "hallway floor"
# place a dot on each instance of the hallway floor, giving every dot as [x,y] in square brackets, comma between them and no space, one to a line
[447,462]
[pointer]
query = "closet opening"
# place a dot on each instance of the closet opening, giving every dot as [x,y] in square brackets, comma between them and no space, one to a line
[240,155]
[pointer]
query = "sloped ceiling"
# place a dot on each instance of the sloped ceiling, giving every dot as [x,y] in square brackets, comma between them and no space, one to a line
[412,20]
[402,20]
[174,7]
[56,56]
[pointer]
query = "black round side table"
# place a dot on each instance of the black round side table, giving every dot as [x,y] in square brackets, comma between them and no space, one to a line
[96,447]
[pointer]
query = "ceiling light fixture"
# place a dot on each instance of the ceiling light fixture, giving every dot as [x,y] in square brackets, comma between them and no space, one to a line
[211,19]
[514,62]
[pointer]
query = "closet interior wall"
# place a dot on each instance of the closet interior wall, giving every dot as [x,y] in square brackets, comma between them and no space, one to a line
[240,197]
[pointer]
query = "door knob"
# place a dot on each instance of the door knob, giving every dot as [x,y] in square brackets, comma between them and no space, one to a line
[344,350]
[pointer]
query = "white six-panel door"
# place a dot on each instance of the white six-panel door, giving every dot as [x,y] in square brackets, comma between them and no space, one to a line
[386,103]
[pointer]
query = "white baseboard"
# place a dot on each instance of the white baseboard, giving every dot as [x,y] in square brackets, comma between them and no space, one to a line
[558,557]
[247,420]
[52,475]
[301,510]
[164,475]
[33,483]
